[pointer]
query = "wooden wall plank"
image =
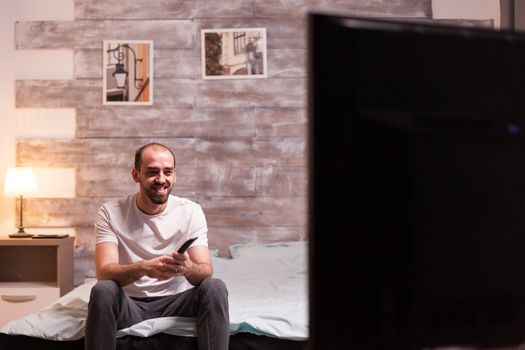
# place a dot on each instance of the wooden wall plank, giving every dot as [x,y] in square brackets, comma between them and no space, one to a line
[72,34]
[252,92]
[190,181]
[383,8]
[88,63]
[281,122]
[84,266]
[188,122]
[61,212]
[158,9]
[249,152]
[175,34]
[254,211]
[177,63]
[179,93]
[282,182]
[219,211]
[84,254]
[175,93]
[286,63]
[478,23]
[138,9]
[189,151]
[58,93]
[174,122]
[95,152]
[85,238]
[280,234]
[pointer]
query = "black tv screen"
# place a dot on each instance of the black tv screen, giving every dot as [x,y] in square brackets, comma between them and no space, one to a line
[417,185]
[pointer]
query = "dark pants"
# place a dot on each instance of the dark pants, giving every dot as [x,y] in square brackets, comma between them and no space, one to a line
[111,309]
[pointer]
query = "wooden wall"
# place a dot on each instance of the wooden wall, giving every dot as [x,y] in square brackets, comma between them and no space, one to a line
[240,144]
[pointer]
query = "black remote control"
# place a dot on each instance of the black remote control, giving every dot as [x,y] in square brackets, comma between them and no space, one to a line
[186,245]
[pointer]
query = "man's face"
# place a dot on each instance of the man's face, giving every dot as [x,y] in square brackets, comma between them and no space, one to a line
[157,174]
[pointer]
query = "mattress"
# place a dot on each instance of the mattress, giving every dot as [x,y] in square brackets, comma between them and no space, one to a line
[267,286]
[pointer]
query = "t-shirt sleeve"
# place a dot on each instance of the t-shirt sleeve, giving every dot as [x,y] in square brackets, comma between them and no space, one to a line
[198,227]
[103,231]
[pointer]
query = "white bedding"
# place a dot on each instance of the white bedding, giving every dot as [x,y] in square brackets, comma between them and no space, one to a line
[267,286]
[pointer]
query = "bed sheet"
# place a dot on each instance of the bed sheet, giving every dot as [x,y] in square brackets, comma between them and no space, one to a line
[267,286]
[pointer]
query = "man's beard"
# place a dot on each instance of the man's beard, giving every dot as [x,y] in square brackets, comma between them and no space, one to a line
[156,197]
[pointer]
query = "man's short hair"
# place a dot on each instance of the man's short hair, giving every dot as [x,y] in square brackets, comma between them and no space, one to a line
[138,153]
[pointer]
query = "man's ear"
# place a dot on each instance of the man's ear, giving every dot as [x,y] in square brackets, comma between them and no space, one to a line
[135,175]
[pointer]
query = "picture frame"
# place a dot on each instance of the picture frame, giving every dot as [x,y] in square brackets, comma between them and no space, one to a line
[127,71]
[234,53]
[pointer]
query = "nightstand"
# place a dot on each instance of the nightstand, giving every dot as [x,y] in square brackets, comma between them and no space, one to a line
[33,274]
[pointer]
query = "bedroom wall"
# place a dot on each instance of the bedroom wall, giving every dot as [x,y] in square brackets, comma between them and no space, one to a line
[240,144]
[24,123]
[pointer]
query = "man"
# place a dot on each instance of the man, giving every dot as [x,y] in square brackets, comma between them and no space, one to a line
[140,274]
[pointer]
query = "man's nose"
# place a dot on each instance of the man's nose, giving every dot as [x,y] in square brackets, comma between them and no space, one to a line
[161,178]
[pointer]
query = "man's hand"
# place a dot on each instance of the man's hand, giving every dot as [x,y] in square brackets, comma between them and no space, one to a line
[195,265]
[165,267]
[183,262]
[108,267]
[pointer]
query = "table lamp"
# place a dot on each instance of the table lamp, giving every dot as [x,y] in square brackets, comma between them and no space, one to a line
[20,181]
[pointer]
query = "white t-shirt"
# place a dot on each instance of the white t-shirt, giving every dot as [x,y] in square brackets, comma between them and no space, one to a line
[141,237]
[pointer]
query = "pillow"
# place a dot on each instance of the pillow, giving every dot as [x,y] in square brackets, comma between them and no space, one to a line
[268,250]
[77,299]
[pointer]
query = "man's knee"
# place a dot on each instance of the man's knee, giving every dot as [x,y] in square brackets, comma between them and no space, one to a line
[214,288]
[104,291]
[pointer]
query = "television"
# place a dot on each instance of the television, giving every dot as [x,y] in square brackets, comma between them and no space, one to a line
[416,184]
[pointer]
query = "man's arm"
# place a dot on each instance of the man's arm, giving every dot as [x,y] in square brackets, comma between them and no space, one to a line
[108,267]
[195,265]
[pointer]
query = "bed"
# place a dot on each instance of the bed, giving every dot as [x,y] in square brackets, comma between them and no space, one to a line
[268,299]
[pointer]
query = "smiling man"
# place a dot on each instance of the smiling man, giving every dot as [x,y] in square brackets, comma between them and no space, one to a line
[140,273]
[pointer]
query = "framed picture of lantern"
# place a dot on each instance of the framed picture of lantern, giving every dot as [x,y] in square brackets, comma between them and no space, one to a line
[127,68]
[233,53]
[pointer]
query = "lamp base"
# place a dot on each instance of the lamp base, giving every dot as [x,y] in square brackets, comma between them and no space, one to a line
[21,234]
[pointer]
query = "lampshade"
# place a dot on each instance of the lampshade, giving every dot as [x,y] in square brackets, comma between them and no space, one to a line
[19,181]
